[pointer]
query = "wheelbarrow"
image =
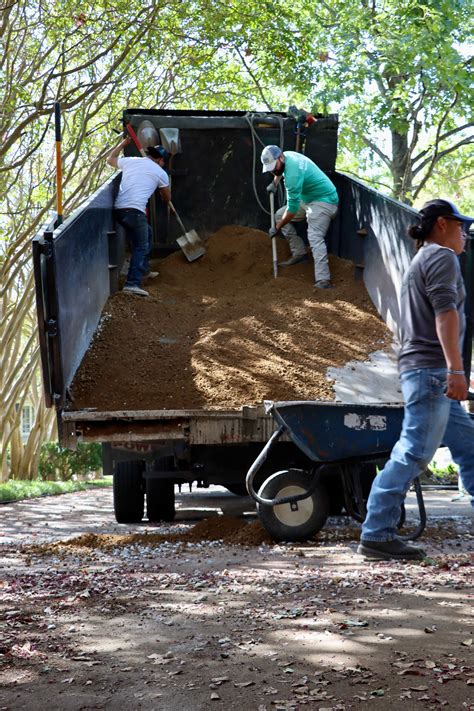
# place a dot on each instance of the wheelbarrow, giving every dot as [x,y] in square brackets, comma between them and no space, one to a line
[339,440]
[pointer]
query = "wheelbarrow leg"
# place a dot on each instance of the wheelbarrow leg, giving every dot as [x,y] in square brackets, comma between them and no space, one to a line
[422,511]
[353,494]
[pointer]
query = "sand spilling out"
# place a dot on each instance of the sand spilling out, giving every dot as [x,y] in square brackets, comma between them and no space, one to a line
[221,332]
[231,530]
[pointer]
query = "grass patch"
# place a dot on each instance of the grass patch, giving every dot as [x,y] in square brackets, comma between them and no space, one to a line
[446,476]
[13,490]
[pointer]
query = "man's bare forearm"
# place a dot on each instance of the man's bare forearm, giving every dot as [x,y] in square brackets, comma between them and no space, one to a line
[447,329]
[165,194]
[286,218]
[114,153]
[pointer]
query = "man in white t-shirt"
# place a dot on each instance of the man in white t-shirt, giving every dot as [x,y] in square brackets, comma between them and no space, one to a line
[140,178]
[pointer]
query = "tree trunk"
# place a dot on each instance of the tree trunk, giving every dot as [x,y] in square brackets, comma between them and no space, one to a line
[28,465]
[401,168]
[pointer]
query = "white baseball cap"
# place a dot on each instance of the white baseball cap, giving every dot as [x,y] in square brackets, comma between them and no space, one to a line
[269,157]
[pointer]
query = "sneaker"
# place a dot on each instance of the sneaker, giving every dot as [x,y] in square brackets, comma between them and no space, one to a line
[135,290]
[390,550]
[151,275]
[295,259]
[324,285]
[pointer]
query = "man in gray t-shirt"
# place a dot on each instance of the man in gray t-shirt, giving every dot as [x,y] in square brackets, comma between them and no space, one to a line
[432,378]
[432,285]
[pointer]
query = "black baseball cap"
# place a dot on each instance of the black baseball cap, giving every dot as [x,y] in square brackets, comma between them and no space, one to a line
[157,152]
[443,208]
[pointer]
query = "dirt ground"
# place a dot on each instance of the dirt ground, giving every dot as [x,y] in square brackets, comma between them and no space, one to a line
[221,332]
[207,613]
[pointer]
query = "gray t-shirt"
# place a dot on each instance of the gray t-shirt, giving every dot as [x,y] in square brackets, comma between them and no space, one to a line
[432,285]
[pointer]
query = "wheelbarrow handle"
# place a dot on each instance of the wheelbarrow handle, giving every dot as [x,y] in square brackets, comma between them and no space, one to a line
[256,466]
[259,461]
[470,394]
[422,511]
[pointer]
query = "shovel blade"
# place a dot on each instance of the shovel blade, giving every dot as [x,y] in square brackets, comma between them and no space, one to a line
[147,134]
[192,245]
[170,140]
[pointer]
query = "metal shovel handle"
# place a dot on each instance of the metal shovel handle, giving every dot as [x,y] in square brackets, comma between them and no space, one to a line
[172,207]
[274,243]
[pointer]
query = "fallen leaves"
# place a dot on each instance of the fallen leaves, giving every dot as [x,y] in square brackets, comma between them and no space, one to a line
[26,651]
[272,625]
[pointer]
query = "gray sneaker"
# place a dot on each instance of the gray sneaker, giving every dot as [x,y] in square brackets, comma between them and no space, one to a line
[135,290]
[324,285]
[390,550]
[296,259]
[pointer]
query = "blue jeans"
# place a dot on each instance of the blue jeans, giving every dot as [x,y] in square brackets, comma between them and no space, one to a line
[137,231]
[430,419]
[146,262]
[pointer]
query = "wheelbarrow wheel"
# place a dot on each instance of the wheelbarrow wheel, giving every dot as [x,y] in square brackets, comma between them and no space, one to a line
[298,521]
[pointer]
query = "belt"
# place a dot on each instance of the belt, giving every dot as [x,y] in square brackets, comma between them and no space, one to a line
[128,209]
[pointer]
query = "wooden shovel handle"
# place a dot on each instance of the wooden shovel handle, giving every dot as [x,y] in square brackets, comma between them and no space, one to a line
[134,138]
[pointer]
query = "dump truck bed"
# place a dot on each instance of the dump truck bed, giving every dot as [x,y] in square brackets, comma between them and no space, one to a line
[77,268]
[223,333]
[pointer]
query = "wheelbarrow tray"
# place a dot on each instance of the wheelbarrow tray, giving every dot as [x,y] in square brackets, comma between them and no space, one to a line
[331,431]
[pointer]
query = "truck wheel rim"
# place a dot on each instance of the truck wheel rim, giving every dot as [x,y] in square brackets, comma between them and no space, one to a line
[284,513]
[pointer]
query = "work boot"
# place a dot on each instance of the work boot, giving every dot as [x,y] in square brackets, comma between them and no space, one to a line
[324,284]
[135,290]
[295,259]
[390,550]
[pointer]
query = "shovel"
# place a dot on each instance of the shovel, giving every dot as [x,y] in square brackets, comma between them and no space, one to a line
[191,244]
[274,242]
[169,138]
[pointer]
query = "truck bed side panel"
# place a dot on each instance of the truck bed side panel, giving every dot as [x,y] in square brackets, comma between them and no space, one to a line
[78,285]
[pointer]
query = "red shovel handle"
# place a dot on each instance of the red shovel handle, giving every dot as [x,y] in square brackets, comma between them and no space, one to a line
[134,138]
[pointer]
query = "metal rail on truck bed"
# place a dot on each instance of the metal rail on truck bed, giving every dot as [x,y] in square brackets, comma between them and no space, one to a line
[195,427]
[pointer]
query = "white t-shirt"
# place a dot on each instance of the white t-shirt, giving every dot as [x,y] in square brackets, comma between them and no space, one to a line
[140,178]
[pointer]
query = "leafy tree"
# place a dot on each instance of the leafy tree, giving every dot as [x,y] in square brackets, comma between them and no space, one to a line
[397,71]
[96,61]
[400,72]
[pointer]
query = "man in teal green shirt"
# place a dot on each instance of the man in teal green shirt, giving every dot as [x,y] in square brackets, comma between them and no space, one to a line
[310,195]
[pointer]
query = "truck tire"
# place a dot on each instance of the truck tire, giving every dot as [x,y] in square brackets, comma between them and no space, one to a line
[128,492]
[280,521]
[160,500]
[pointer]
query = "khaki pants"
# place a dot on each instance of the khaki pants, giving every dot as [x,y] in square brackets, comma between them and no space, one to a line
[318,216]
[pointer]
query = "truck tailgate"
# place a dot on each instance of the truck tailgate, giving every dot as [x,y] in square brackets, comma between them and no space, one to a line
[249,424]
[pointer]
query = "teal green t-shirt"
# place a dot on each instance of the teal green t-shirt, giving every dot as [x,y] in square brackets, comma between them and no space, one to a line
[304,181]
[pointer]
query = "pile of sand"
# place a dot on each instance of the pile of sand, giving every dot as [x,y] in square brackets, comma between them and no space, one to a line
[221,332]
